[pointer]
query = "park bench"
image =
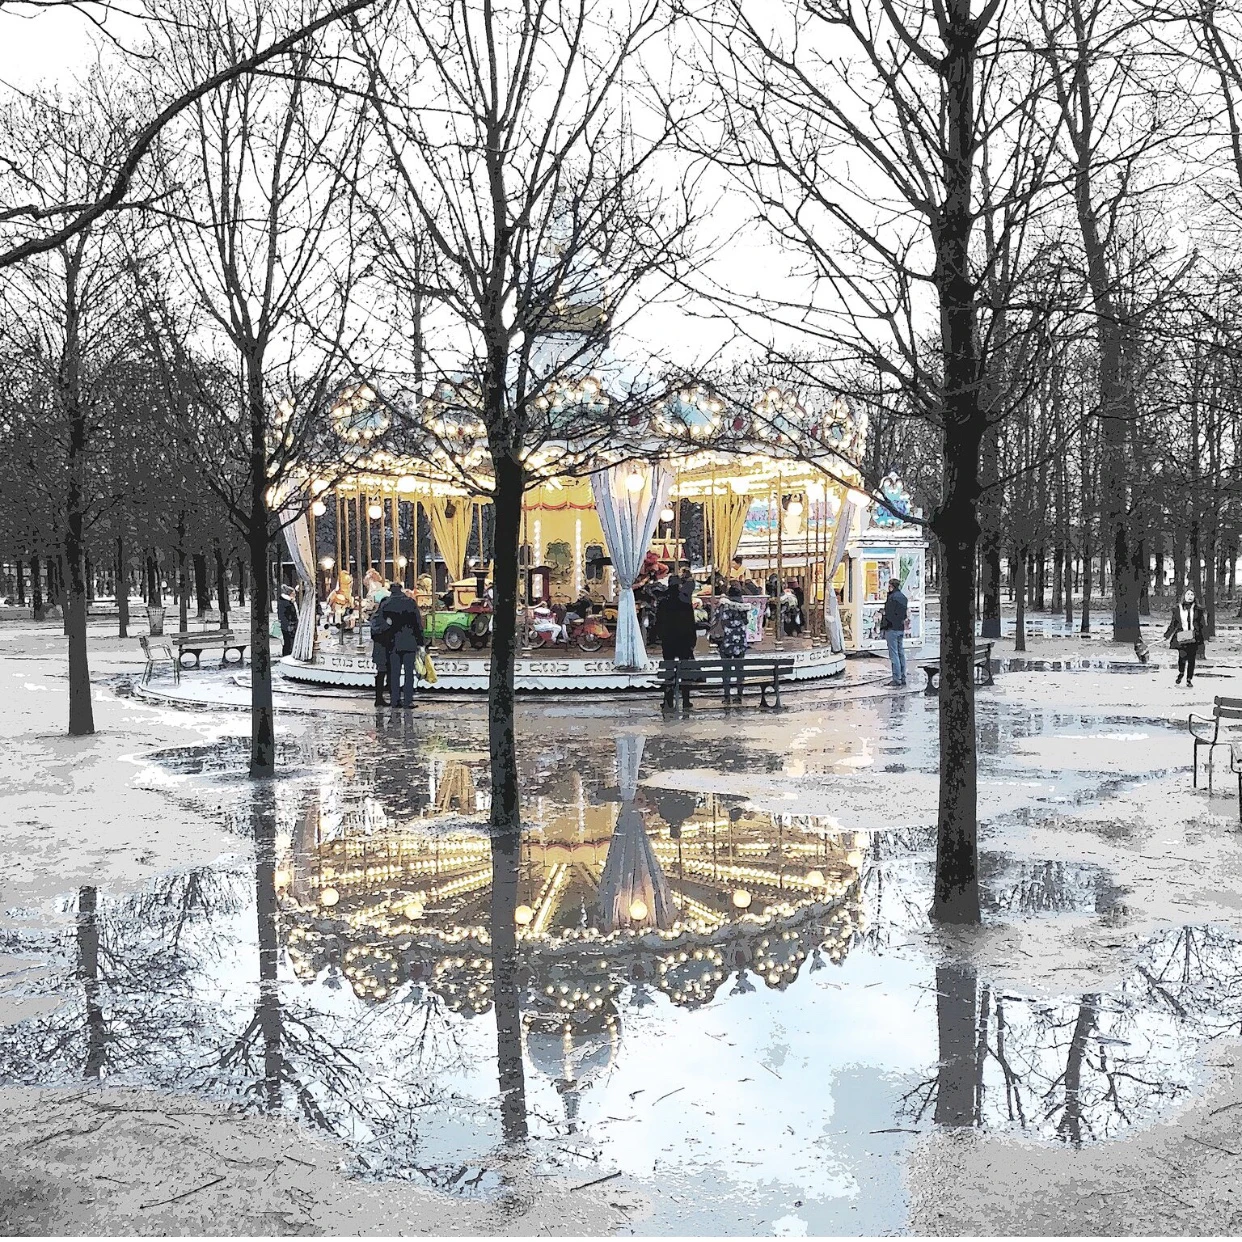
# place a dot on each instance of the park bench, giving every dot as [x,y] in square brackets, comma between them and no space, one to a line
[1206,731]
[982,661]
[765,672]
[195,642]
[158,651]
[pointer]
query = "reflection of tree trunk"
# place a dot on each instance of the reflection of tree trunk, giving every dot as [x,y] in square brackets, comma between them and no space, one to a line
[1070,1128]
[955,1018]
[88,971]
[268,1010]
[505,856]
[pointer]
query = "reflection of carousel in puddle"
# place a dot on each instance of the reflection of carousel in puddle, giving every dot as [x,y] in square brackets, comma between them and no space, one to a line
[619,890]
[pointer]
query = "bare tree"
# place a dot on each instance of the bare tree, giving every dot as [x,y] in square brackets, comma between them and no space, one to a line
[860,127]
[259,215]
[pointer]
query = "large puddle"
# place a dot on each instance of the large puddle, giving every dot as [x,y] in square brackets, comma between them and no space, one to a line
[721,1001]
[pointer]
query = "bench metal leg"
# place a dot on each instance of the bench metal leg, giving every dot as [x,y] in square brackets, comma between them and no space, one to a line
[1194,767]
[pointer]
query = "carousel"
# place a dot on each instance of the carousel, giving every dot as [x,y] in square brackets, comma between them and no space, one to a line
[678,482]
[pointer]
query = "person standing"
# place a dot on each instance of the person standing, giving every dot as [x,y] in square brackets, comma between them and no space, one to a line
[734,616]
[1187,633]
[676,627]
[893,625]
[381,648]
[287,615]
[406,623]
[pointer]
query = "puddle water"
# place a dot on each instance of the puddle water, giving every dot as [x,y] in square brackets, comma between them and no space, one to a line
[720,1002]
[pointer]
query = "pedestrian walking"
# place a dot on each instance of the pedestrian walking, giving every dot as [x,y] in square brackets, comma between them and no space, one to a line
[893,627]
[406,622]
[734,614]
[287,616]
[1187,633]
[382,633]
[676,627]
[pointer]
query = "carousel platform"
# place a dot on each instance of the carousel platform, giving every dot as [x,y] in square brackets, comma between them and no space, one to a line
[544,671]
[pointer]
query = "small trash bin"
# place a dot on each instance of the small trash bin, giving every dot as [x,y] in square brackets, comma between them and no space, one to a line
[155,619]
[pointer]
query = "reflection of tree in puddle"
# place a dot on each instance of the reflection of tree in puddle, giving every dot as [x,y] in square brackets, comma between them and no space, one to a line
[1082,1068]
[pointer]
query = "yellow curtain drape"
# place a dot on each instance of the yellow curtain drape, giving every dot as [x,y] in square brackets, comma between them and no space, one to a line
[726,518]
[451,518]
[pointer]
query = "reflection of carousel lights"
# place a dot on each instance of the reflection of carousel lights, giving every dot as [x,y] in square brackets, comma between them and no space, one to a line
[779,960]
[523,915]
[691,977]
[638,910]
[741,899]
[329,896]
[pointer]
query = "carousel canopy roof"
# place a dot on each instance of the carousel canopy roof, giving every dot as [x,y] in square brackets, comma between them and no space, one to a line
[714,442]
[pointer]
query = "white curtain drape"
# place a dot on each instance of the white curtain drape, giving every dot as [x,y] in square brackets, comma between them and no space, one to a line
[297,537]
[836,554]
[628,517]
[633,890]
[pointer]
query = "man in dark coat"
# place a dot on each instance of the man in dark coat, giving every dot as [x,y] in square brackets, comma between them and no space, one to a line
[676,628]
[287,615]
[405,622]
[893,625]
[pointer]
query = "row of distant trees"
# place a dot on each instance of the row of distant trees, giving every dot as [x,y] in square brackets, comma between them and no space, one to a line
[1012,222]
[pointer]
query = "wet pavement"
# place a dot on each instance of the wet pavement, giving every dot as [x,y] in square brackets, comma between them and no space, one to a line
[724,998]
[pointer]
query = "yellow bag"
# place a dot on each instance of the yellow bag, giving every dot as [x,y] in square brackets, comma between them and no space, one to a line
[429,670]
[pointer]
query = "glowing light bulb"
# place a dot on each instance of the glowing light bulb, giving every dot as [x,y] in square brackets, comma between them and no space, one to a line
[402,562]
[375,512]
[666,514]
[855,497]
[523,915]
[815,878]
[329,897]
[326,563]
[638,910]
[319,508]
[741,898]
[794,509]
[636,482]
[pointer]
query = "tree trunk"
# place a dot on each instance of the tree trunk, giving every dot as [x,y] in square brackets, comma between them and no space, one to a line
[990,522]
[202,592]
[956,521]
[262,708]
[155,595]
[222,587]
[1209,587]
[21,583]
[36,588]
[81,711]
[241,583]
[1144,600]
[1084,626]
[122,590]
[1058,574]
[506,821]
[1019,624]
